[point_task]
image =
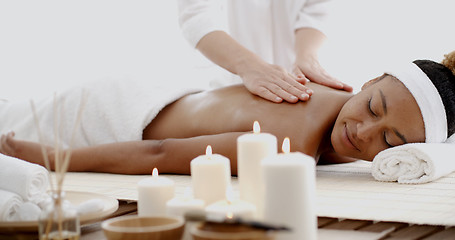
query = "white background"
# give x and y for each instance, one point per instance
(47, 46)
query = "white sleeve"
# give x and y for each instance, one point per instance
(200, 17)
(313, 15)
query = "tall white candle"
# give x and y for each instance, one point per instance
(153, 193)
(252, 148)
(210, 176)
(290, 193)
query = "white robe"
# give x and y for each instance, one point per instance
(266, 27)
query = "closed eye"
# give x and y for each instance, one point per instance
(386, 142)
(369, 108)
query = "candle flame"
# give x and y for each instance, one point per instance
(208, 151)
(286, 145)
(229, 215)
(155, 172)
(256, 127)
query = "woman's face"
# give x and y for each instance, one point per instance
(382, 115)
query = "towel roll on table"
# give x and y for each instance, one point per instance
(414, 162)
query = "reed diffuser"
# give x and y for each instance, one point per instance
(58, 220)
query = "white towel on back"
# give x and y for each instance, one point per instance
(29, 181)
(116, 110)
(414, 162)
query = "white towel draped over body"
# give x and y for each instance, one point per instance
(29, 181)
(414, 162)
(115, 110)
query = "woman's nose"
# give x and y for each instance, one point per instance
(366, 130)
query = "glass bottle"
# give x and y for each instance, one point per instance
(59, 220)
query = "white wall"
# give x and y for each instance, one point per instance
(46, 46)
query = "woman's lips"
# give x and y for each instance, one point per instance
(347, 140)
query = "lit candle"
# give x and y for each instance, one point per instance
(153, 193)
(230, 208)
(251, 149)
(289, 197)
(178, 206)
(210, 176)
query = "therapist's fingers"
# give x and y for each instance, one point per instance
(274, 83)
(316, 73)
(268, 95)
(300, 75)
(281, 90)
(296, 87)
(322, 77)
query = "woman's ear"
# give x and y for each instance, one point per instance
(372, 81)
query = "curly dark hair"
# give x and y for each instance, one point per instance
(443, 78)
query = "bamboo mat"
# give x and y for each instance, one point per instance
(346, 191)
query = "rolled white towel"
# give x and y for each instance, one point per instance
(27, 211)
(9, 204)
(28, 180)
(414, 162)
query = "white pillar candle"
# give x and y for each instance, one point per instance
(178, 206)
(290, 193)
(210, 176)
(230, 207)
(153, 193)
(252, 148)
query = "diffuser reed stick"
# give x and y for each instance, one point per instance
(61, 162)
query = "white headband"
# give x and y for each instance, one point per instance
(428, 99)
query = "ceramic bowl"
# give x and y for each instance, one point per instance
(137, 228)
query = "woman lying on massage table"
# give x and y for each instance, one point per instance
(416, 103)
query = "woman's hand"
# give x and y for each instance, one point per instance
(28, 151)
(7, 145)
(274, 83)
(308, 67)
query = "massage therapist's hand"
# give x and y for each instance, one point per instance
(308, 67)
(274, 83)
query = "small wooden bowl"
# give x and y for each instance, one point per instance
(135, 228)
(221, 231)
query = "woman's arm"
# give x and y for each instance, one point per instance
(135, 157)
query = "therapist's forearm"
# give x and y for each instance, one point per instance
(226, 52)
(308, 41)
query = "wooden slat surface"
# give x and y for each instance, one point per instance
(389, 230)
(348, 224)
(384, 226)
(414, 232)
(445, 234)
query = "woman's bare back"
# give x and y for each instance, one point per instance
(234, 109)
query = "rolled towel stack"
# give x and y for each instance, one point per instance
(20, 182)
(414, 163)
(9, 205)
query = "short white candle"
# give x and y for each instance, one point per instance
(230, 207)
(290, 195)
(153, 193)
(178, 206)
(252, 148)
(210, 176)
